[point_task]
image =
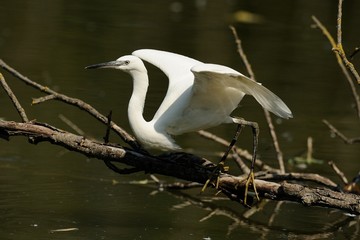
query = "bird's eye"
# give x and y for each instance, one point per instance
(127, 62)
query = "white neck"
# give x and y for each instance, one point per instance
(145, 131)
(137, 102)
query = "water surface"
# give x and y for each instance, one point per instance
(45, 188)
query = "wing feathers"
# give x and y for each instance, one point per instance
(267, 99)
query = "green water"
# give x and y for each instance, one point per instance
(45, 188)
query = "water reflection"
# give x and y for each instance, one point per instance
(45, 188)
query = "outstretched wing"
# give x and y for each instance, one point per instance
(210, 73)
(178, 69)
(216, 92)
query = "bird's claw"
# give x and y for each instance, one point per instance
(250, 180)
(220, 168)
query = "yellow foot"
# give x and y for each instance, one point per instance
(250, 180)
(220, 168)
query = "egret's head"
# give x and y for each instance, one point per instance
(127, 63)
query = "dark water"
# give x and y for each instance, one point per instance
(44, 188)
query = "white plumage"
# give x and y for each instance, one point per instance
(199, 96)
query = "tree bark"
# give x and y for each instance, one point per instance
(183, 166)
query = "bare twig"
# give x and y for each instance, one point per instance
(108, 127)
(242, 53)
(14, 99)
(71, 124)
(275, 141)
(72, 101)
(338, 25)
(352, 55)
(267, 114)
(43, 99)
(309, 152)
(339, 47)
(238, 160)
(340, 135)
(339, 172)
(340, 62)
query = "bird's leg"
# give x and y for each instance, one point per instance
(232, 143)
(250, 179)
(221, 165)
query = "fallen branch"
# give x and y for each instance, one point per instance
(181, 165)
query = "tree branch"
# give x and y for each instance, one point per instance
(339, 46)
(181, 165)
(339, 59)
(14, 99)
(340, 135)
(338, 172)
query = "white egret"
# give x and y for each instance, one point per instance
(199, 96)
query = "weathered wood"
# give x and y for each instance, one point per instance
(183, 166)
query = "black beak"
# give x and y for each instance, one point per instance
(111, 64)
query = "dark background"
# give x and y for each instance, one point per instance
(45, 187)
